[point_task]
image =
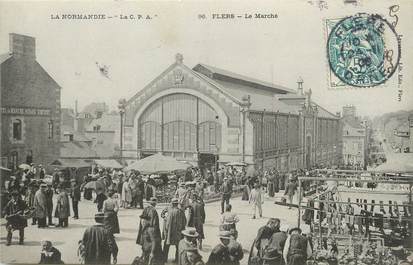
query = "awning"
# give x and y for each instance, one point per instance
(158, 163)
(108, 163)
(65, 162)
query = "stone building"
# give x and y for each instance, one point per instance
(354, 138)
(30, 106)
(210, 116)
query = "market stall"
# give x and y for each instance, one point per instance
(361, 218)
(160, 174)
(72, 168)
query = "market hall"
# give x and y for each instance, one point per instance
(209, 116)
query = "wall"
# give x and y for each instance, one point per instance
(25, 84)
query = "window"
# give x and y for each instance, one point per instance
(96, 128)
(17, 129)
(50, 130)
(14, 160)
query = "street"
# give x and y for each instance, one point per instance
(65, 239)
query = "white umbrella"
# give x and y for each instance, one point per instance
(157, 163)
(24, 166)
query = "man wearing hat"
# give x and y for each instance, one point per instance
(40, 206)
(265, 233)
(13, 212)
(180, 194)
(62, 211)
(75, 194)
(99, 244)
(225, 194)
(151, 212)
(150, 241)
(190, 236)
(175, 223)
(49, 202)
(297, 248)
(220, 254)
(256, 199)
(42, 172)
(290, 189)
(276, 245)
(197, 217)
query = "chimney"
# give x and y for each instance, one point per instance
(21, 45)
(300, 82)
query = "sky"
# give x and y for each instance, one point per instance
(136, 51)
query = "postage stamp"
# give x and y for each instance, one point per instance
(362, 51)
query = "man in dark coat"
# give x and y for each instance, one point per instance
(220, 254)
(277, 243)
(175, 223)
(297, 248)
(15, 221)
(62, 211)
(290, 190)
(265, 233)
(49, 202)
(197, 217)
(100, 198)
(149, 211)
(226, 190)
(99, 244)
(140, 185)
(50, 254)
(75, 195)
(150, 241)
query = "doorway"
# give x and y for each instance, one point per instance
(207, 161)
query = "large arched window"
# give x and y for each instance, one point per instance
(17, 129)
(180, 122)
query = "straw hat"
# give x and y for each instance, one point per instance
(190, 231)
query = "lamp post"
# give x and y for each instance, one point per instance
(121, 107)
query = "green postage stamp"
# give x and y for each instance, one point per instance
(362, 51)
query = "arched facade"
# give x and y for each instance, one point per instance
(179, 123)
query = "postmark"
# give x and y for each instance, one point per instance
(362, 51)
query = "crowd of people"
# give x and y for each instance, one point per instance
(182, 221)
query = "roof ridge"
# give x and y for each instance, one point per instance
(246, 78)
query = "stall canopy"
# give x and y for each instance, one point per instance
(76, 163)
(401, 162)
(157, 163)
(108, 163)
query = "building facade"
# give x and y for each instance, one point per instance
(210, 116)
(354, 139)
(30, 106)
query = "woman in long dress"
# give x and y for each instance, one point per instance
(126, 194)
(110, 209)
